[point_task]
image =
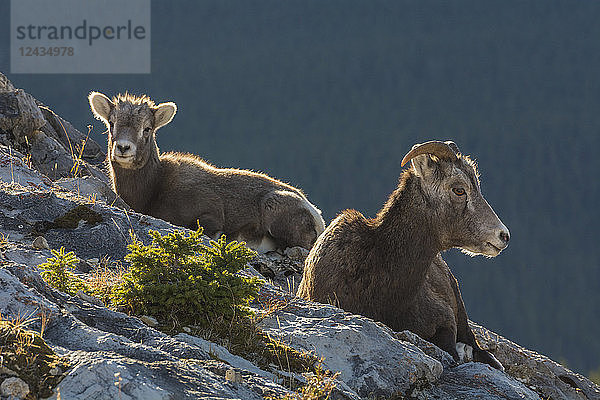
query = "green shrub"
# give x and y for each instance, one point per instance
(57, 271)
(181, 281)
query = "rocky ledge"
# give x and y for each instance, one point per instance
(44, 206)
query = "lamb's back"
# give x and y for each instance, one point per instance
(191, 186)
(183, 170)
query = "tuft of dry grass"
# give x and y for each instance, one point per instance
(91, 199)
(3, 242)
(243, 337)
(25, 353)
(319, 385)
(104, 277)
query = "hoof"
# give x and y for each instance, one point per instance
(486, 357)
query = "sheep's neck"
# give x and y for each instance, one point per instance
(407, 235)
(137, 186)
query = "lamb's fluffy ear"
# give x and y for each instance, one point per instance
(163, 114)
(101, 106)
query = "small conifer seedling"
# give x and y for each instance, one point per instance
(181, 281)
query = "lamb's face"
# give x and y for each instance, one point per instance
(467, 220)
(132, 123)
(130, 132)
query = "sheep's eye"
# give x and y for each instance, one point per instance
(459, 191)
(147, 130)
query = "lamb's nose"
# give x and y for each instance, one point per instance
(123, 148)
(504, 236)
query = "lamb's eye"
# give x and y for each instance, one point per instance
(147, 130)
(459, 191)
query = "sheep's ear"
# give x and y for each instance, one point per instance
(163, 114)
(424, 165)
(428, 167)
(101, 106)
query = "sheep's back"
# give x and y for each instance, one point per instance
(334, 266)
(234, 192)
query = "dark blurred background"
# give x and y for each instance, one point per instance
(330, 95)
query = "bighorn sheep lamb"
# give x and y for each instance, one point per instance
(185, 190)
(389, 268)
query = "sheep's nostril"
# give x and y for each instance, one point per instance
(123, 148)
(504, 236)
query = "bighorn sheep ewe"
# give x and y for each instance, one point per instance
(185, 190)
(389, 268)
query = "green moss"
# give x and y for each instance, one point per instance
(80, 213)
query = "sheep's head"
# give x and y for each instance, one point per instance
(132, 122)
(450, 184)
(292, 220)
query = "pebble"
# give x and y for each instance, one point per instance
(233, 376)
(273, 255)
(7, 371)
(296, 253)
(148, 320)
(84, 266)
(40, 243)
(264, 270)
(90, 299)
(14, 388)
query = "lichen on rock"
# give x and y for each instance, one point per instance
(81, 212)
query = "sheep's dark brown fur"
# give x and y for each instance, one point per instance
(389, 268)
(185, 190)
(439, 304)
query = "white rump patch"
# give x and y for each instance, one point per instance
(316, 214)
(265, 245)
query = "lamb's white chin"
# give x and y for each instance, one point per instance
(124, 162)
